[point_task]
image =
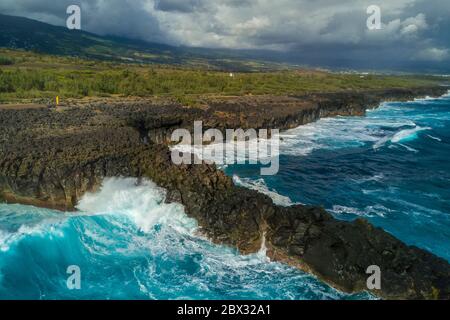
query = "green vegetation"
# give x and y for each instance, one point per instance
(43, 76)
(5, 61)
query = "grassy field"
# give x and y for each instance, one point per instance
(27, 76)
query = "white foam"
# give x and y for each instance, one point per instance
(342, 132)
(369, 211)
(29, 221)
(377, 178)
(408, 134)
(401, 136)
(260, 186)
(252, 151)
(389, 123)
(44, 228)
(434, 138)
(143, 202)
(427, 98)
(408, 148)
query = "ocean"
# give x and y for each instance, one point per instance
(391, 167)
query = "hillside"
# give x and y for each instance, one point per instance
(15, 33)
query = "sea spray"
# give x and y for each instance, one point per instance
(130, 244)
(141, 201)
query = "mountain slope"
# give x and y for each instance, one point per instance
(27, 34)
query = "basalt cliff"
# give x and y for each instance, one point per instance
(50, 157)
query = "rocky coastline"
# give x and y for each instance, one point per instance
(50, 157)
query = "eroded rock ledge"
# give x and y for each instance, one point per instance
(51, 157)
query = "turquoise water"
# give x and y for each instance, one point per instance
(390, 167)
(129, 244)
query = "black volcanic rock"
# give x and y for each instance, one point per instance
(51, 157)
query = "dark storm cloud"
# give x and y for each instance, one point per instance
(414, 32)
(179, 5)
(112, 17)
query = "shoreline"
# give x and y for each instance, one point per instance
(309, 238)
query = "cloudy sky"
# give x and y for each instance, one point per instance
(413, 34)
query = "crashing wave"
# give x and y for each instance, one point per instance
(136, 246)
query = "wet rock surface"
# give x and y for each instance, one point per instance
(51, 157)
